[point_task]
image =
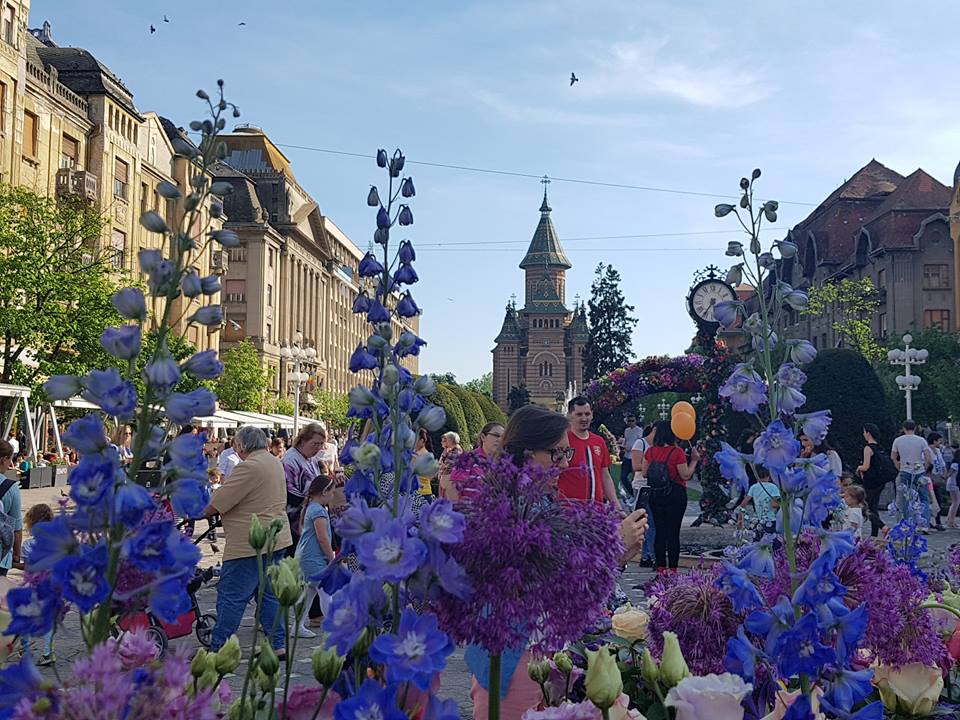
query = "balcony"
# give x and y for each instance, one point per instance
(76, 184)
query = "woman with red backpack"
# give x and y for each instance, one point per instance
(667, 470)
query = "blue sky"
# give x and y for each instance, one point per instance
(686, 96)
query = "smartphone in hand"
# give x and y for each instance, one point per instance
(643, 497)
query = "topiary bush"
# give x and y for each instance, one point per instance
(491, 411)
(471, 413)
(842, 381)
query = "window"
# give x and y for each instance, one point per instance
(937, 318)
(269, 295)
(936, 277)
(823, 340)
(270, 257)
(121, 178)
(110, 116)
(9, 24)
(69, 152)
(29, 134)
(118, 243)
(238, 254)
(882, 324)
(236, 291)
(144, 197)
(269, 332)
(3, 107)
(882, 278)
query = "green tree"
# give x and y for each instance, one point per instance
(852, 305)
(518, 397)
(841, 380)
(482, 384)
(611, 325)
(491, 411)
(244, 379)
(54, 288)
(472, 413)
(332, 408)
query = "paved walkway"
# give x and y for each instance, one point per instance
(456, 679)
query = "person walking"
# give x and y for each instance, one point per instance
(424, 446)
(667, 470)
(12, 506)
(315, 547)
(936, 480)
(299, 469)
(631, 434)
(911, 456)
(954, 490)
(228, 459)
(588, 475)
(256, 487)
(875, 473)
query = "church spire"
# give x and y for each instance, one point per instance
(545, 249)
(545, 205)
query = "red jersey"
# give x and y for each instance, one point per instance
(583, 480)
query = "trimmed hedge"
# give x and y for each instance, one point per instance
(471, 412)
(491, 411)
(842, 381)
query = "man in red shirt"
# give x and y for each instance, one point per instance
(588, 477)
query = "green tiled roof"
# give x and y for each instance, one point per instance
(545, 247)
(510, 330)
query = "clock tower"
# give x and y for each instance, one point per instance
(708, 289)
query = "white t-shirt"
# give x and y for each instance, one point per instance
(642, 446)
(228, 461)
(15, 444)
(911, 449)
(853, 520)
(630, 437)
(328, 455)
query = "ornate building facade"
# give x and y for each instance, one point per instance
(540, 345)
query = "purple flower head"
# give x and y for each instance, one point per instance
(416, 652)
(733, 466)
(203, 365)
(407, 307)
(122, 342)
(377, 313)
(361, 303)
(87, 435)
(33, 610)
(93, 477)
(363, 360)
(815, 425)
(111, 393)
(369, 266)
(389, 553)
(776, 447)
(745, 390)
(791, 376)
(406, 253)
(440, 522)
(788, 399)
(83, 578)
(182, 408)
(372, 701)
(406, 275)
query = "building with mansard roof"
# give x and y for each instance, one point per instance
(892, 229)
(540, 345)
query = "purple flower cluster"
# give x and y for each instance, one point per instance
(538, 565)
(687, 373)
(692, 606)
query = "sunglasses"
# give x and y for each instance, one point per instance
(558, 454)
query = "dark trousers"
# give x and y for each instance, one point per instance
(668, 516)
(873, 509)
(626, 467)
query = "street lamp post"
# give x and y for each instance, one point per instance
(696, 399)
(294, 354)
(908, 357)
(664, 407)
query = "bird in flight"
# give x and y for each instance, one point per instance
(573, 79)
(166, 19)
(240, 23)
(152, 29)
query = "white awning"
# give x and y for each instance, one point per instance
(285, 421)
(217, 421)
(242, 418)
(75, 402)
(16, 391)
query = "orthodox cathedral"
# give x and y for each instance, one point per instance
(540, 346)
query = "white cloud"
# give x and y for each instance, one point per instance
(645, 68)
(541, 114)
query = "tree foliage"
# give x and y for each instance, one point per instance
(518, 397)
(842, 381)
(852, 305)
(482, 384)
(332, 408)
(244, 379)
(611, 325)
(55, 288)
(447, 378)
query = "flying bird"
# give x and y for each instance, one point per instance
(166, 19)
(152, 29)
(573, 79)
(240, 23)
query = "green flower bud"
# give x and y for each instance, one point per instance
(269, 663)
(276, 525)
(199, 663)
(258, 535)
(673, 668)
(391, 375)
(648, 668)
(267, 682)
(229, 656)
(285, 578)
(41, 706)
(208, 679)
(563, 662)
(233, 713)
(538, 670)
(603, 682)
(327, 665)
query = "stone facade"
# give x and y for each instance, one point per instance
(540, 346)
(294, 271)
(892, 229)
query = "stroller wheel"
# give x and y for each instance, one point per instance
(204, 629)
(158, 637)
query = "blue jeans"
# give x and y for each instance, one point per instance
(239, 581)
(648, 539)
(913, 480)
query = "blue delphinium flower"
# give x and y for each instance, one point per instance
(372, 701)
(415, 652)
(62, 387)
(369, 266)
(83, 578)
(818, 587)
(776, 447)
(802, 352)
(377, 313)
(872, 711)
(111, 393)
(149, 547)
(815, 425)
(791, 376)
(407, 307)
(162, 373)
(348, 614)
(406, 275)
(203, 365)
(363, 360)
(185, 457)
(389, 553)
(739, 588)
(122, 342)
(745, 390)
(741, 658)
(87, 435)
(758, 559)
(441, 522)
(33, 610)
(169, 598)
(130, 502)
(800, 650)
(849, 688)
(209, 315)
(182, 408)
(17, 682)
(52, 541)
(130, 303)
(788, 399)
(733, 466)
(850, 626)
(190, 497)
(770, 624)
(438, 709)
(93, 477)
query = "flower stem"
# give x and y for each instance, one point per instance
(493, 699)
(323, 698)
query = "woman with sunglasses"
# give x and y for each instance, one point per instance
(537, 435)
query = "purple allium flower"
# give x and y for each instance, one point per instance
(534, 561)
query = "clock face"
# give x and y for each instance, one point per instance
(706, 295)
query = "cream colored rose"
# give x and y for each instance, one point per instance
(630, 623)
(912, 689)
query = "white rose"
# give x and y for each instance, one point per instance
(912, 689)
(717, 697)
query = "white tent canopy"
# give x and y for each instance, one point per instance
(241, 418)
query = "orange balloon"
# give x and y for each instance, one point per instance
(683, 425)
(682, 406)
